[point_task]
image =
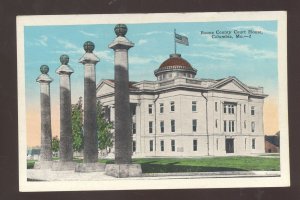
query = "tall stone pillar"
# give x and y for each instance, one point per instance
(123, 121)
(65, 145)
(45, 160)
(90, 148)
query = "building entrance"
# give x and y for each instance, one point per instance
(229, 146)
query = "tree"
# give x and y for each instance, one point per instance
(55, 144)
(104, 129)
(77, 124)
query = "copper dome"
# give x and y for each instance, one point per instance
(175, 62)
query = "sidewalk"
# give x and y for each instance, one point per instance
(49, 175)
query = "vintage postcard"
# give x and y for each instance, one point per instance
(152, 101)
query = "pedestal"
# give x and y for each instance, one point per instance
(90, 167)
(63, 166)
(43, 165)
(123, 170)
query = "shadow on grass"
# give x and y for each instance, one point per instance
(150, 167)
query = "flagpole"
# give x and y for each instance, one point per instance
(175, 40)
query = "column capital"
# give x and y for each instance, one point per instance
(64, 68)
(89, 57)
(44, 77)
(121, 43)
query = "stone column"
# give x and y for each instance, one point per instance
(65, 145)
(123, 121)
(45, 160)
(90, 148)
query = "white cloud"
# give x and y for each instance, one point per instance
(89, 34)
(246, 49)
(40, 41)
(234, 48)
(138, 60)
(213, 55)
(257, 28)
(72, 49)
(141, 42)
(105, 55)
(67, 47)
(67, 44)
(155, 33)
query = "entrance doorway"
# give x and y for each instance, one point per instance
(229, 145)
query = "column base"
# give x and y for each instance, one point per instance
(43, 165)
(63, 166)
(90, 167)
(123, 170)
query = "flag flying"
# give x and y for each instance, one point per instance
(181, 39)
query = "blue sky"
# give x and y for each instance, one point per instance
(253, 61)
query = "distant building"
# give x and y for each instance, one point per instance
(33, 153)
(180, 115)
(272, 144)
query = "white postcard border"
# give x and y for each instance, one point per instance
(131, 183)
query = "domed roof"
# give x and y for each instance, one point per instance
(175, 62)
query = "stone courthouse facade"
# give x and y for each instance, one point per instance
(180, 115)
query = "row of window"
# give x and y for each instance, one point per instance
(228, 108)
(173, 145)
(195, 145)
(229, 126)
(163, 76)
(161, 107)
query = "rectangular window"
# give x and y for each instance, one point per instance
(161, 108)
(194, 106)
(253, 143)
(216, 123)
(245, 108)
(150, 108)
(150, 127)
(252, 126)
(245, 143)
(133, 146)
(245, 124)
(252, 110)
(162, 145)
(231, 126)
(195, 145)
(133, 109)
(172, 125)
(151, 145)
(229, 108)
(216, 106)
(217, 143)
(133, 128)
(194, 125)
(162, 126)
(173, 145)
(225, 122)
(172, 104)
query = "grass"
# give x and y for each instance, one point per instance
(30, 164)
(212, 164)
(206, 164)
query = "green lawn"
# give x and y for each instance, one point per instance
(206, 164)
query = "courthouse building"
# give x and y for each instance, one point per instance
(181, 115)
